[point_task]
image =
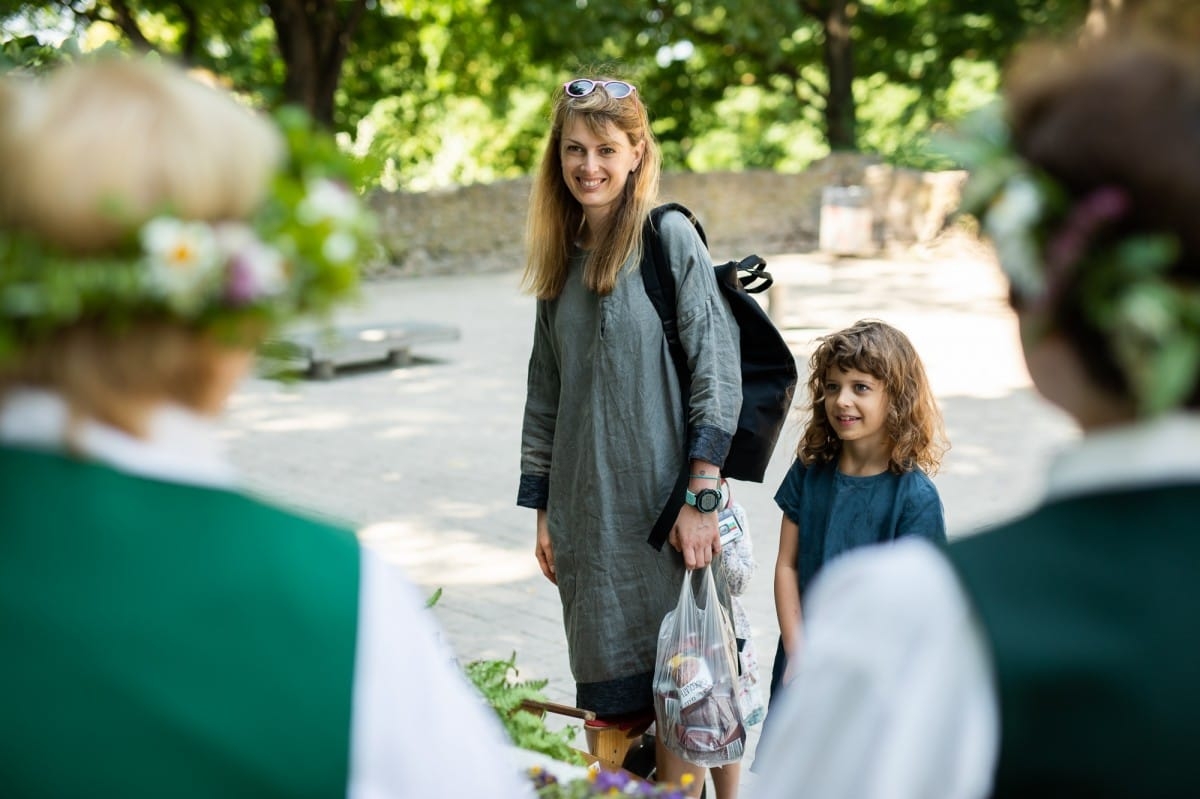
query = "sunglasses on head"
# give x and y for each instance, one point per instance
(582, 87)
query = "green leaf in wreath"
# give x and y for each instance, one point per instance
(1172, 374)
(1142, 256)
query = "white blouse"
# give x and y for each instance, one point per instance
(895, 694)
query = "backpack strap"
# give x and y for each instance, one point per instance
(660, 284)
(660, 288)
(752, 274)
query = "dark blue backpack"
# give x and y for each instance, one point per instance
(768, 367)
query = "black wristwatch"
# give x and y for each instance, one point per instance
(706, 500)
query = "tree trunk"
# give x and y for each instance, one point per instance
(840, 114)
(126, 22)
(313, 41)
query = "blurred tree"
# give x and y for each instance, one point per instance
(25, 52)
(282, 51)
(452, 91)
(437, 90)
(821, 54)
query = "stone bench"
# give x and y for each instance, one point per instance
(322, 351)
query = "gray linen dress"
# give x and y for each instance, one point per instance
(604, 440)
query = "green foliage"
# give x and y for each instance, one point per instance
(695, 62)
(756, 132)
(27, 54)
(447, 92)
(497, 681)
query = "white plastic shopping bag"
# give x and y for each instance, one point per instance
(695, 677)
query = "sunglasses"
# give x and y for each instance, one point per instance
(582, 87)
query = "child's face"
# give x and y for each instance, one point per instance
(856, 404)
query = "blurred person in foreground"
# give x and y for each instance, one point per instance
(1056, 653)
(164, 634)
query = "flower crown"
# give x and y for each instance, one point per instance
(298, 255)
(1048, 243)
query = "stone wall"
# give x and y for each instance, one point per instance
(481, 228)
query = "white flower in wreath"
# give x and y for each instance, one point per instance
(339, 247)
(256, 270)
(183, 259)
(326, 200)
(1010, 223)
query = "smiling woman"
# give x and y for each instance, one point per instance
(608, 430)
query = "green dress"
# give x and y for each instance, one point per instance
(1090, 606)
(164, 638)
(604, 440)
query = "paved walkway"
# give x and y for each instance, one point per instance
(424, 458)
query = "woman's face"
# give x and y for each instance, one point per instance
(595, 167)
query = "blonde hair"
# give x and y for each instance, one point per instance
(914, 422)
(114, 376)
(555, 216)
(96, 149)
(89, 154)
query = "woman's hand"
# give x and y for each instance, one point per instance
(543, 549)
(696, 536)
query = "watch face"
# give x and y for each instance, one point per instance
(708, 500)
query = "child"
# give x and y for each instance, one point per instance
(737, 566)
(861, 471)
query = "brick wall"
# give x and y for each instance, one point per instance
(481, 228)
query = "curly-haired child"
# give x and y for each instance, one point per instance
(861, 474)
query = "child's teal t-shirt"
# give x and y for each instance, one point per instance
(837, 512)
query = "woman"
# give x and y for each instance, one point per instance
(164, 634)
(606, 430)
(1056, 653)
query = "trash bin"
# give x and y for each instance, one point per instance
(846, 225)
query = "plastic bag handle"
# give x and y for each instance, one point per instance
(709, 587)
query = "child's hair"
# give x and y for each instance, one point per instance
(914, 422)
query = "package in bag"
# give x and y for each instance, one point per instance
(695, 677)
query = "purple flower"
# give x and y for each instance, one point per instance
(255, 270)
(611, 780)
(1089, 215)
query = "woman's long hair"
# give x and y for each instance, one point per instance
(556, 217)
